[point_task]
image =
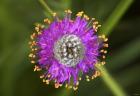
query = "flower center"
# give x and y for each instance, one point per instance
(69, 50)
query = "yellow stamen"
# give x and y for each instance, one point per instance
(69, 11)
(47, 81)
(87, 80)
(86, 17)
(80, 14)
(105, 51)
(106, 39)
(56, 85)
(80, 78)
(75, 88)
(32, 62)
(42, 76)
(102, 51)
(49, 76)
(105, 45)
(44, 80)
(69, 86)
(31, 55)
(103, 36)
(92, 77)
(103, 63)
(77, 83)
(66, 85)
(103, 56)
(54, 14)
(47, 21)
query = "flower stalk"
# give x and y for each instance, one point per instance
(110, 82)
(46, 7)
(116, 15)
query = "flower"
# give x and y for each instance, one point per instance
(66, 49)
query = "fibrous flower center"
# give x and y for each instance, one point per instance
(69, 50)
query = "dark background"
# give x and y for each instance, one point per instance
(17, 18)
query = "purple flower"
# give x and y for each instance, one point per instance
(67, 49)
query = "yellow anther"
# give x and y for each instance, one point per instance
(69, 86)
(87, 80)
(99, 26)
(77, 83)
(31, 55)
(47, 81)
(44, 80)
(94, 26)
(31, 47)
(103, 36)
(80, 78)
(66, 85)
(66, 11)
(105, 51)
(86, 17)
(92, 77)
(32, 62)
(103, 62)
(98, 73)
(95, 75)
(102, 51)
(80, 13)
(105, 45)
(56, 85)
(30, 43)
(33, 43)
(69, 11)
(37, 29)
(75, 88)
(47, 21)
(42, 76)
(92, 19)
(87, 76)
(31, 37)
(35, 49)
(54, 14)
(106, 39)
(39, 33)
(100, 36)
(95, 22)
(98, 64)
(60, 85)
(34, 69)
(49, 76)
(55, 80)
(103, 56)
(38, 69)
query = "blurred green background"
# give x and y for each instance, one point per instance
(17, 18)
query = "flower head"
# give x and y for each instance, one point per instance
(66, 49)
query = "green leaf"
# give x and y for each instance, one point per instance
(116, 15)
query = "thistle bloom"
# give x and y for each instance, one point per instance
(66, 49)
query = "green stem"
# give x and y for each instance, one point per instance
(47, 8)
(106, 29)
(110, 82)
(115, 16)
